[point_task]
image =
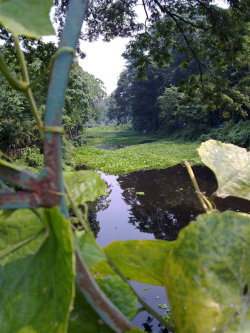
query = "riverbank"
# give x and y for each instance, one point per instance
(121, 151)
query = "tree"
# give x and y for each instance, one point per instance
(120, 108)
(82, 99)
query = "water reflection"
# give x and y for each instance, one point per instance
(102, 203)
(168, 204)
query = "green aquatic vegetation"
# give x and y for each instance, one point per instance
(136, 151)
(113, 136)
(156, 155)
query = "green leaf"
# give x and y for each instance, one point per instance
(84, 185)
(120, 294)
(94, 256)
(92, 253)
(37, 271)
(27, 17)
(208, 275)
(231, 165)
(116, 289)
(18, 228)
(140, 260)
(84, 319)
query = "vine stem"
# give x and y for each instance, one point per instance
(28, 91)
(206, 204)
(140, 299)
(10, 77)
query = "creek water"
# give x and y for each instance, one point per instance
(154, 204)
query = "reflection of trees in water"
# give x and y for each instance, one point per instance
(148, 326)
(169, 202)
(96, 206)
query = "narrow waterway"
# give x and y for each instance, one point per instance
(154, 204)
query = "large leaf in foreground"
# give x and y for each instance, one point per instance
(84, 185)
(36, 272)
(140, 260)
(231, 165)
(208, 275)
(114, 287)
(27, 17)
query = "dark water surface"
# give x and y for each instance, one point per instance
(169, 203)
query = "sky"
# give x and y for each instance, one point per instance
(104, 60)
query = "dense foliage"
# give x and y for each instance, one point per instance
(201, 49)
(173, 100)
(83, 98)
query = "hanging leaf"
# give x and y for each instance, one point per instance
(94, 256)
(231, 165)
(84, 185)
(208, 275)
(36, 271)
(140, 260)
(27, 17)
(92, 253)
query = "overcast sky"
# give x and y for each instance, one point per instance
(104, 60)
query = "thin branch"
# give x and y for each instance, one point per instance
(10, 77)
(177, 16)
(174, 17)
(146, 12)
(206, 204)
(209, 11)
(28, 91)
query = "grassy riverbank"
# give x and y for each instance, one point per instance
(140, 152)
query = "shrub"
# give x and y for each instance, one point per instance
(235, 133)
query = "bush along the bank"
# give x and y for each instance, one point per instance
(230, 132)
